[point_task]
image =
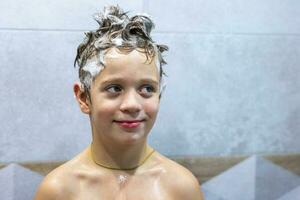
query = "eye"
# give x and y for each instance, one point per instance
(147, 90)
(114, 89)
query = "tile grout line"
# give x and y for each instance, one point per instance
(156, 32)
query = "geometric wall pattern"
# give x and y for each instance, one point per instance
(292, 195)
(253, 179)
(18, 183)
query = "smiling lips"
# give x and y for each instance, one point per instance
(129, 124)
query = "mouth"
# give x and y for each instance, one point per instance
(129, 123)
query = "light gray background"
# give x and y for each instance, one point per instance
(233, 85)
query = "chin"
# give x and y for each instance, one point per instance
(130, 138)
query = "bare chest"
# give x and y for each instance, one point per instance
(123, 187)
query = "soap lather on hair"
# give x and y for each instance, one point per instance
(117, 29)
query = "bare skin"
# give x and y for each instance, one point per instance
(126, 89)
(81, 179)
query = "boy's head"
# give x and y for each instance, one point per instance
(116, 29)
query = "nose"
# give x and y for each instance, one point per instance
(131, 102)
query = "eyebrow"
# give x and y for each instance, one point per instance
(119, 79)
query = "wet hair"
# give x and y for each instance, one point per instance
(116, 29)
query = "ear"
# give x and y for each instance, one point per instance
(81, 98)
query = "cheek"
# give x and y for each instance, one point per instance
(151, 108)
(105, 110)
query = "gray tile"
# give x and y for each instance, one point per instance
(225, 95)
(230, 95)
(235, 16)
(18, 183)
(235, 183)
(43, 120)
(254, 178)
(209, 195)
(6, 184)
(65, 14)
(292, 195)
(272, 181)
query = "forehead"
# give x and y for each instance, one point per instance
(128, 64)
(116, 53)
(136, 56)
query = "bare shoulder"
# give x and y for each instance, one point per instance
(53, 186)
(180, 181)
(59, 183)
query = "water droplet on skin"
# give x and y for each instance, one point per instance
(122, 179)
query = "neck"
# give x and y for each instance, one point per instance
(116, 157)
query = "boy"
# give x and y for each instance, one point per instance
(121, 80)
